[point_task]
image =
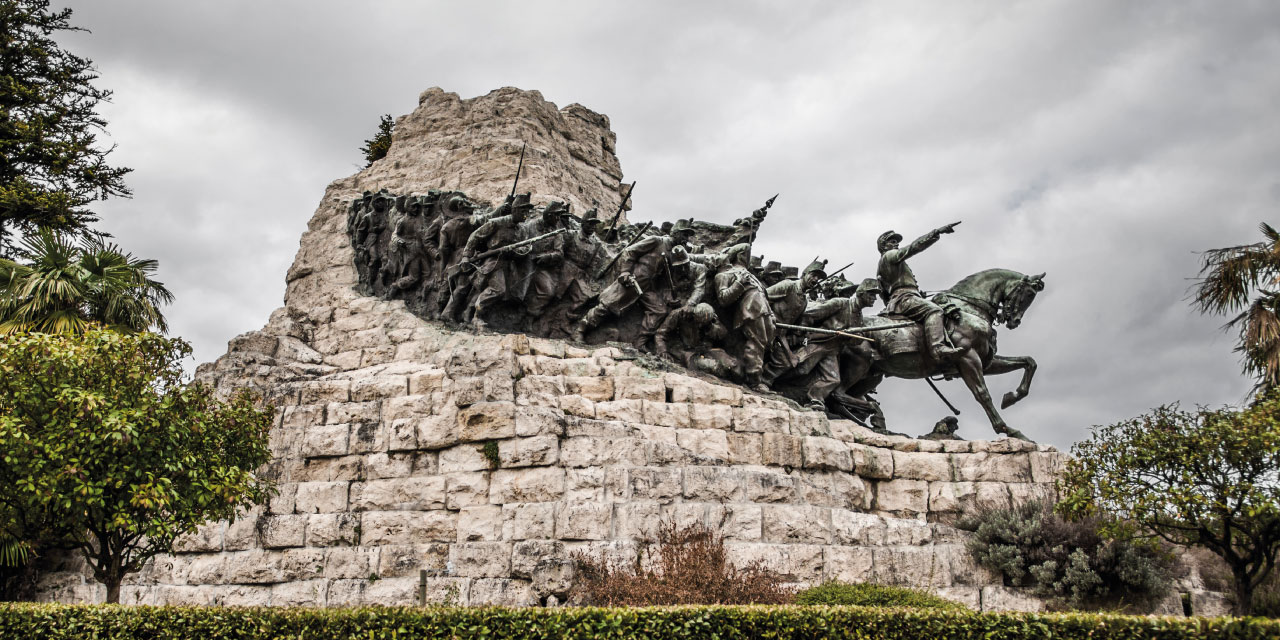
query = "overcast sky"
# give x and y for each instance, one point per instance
(1102, 142)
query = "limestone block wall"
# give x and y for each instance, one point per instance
(382, 473)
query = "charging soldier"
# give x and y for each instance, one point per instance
(546, 256)
(903, 293)
(497, 274)
(738, 289)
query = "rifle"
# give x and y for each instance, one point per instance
(514, 245)
(607, 267)
(614, 223)
(851, 332)
(518, 168)
(832, 276)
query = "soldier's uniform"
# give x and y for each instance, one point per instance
(545, 257)
(822, 354)
(495, 276)
(738, 289)
(688, 332)
(583, 253)
(645, 261)
(902, 293)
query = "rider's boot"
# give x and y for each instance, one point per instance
(936, 334)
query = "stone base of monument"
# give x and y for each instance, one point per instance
(404, 448)
(383, 473)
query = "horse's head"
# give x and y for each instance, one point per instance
(1018, 297)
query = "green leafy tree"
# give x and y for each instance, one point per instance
(1203, 478)
(107, 450)
(376, 148)
(51, 163)
(68, 286)
(1242, 280)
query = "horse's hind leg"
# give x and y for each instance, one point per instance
(1008, 364)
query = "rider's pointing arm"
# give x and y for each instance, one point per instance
(919, 244)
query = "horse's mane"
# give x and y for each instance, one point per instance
(977, 280)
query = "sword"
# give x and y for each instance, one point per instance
(950, 406)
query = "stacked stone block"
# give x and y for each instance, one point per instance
(383, 473)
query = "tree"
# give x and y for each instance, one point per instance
(1203, 478)
(51, 165)
(1229, 279)
(105, 447)
(67, 288)
(376, 148)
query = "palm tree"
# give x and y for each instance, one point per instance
(1229, 280)
(68, 286)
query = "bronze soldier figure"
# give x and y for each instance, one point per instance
(738, 289)
(902, 293)
(546, 256)
(495, 276)
(640, 266)
(583, 254)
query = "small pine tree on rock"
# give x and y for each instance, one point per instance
(376, 148)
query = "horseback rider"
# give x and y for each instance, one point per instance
(902, 293)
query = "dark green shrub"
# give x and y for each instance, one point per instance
(874, 595)
(61, 622)
(376, 148)
(1070, 563)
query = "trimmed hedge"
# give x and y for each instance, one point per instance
(866, 594)
(110, 622)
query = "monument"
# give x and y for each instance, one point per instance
(477, 377)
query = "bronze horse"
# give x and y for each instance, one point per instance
(983, 300)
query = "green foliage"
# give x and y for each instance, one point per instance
(873, 595)
(1070, 563)
(1204, 478)
(44, 621)
(67, 287)
(1229, 279)
(107, 451)
(376, 148)
(490, 452)
(51, 165)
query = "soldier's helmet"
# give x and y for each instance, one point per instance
(683, 226)
(757, 264)
(591, 217)
(774, 268)
(882, 243)
(870, 285)
(521, 201)
(679, 256)
(790, 272)
(817, 266)
(555, 208)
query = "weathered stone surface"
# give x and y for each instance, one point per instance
(321, 497)
(406, 527)
(420, 493)
(902, 495)
(487, 421)
(540, 484)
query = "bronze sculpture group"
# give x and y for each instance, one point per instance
(693, 293)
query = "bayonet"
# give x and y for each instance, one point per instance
(518, 168)
(621, 205)
(607, 267)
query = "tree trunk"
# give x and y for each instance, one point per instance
(113, 588)
(1244, 593)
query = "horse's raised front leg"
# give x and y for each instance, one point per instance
(970, 366)
(1008, 364)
